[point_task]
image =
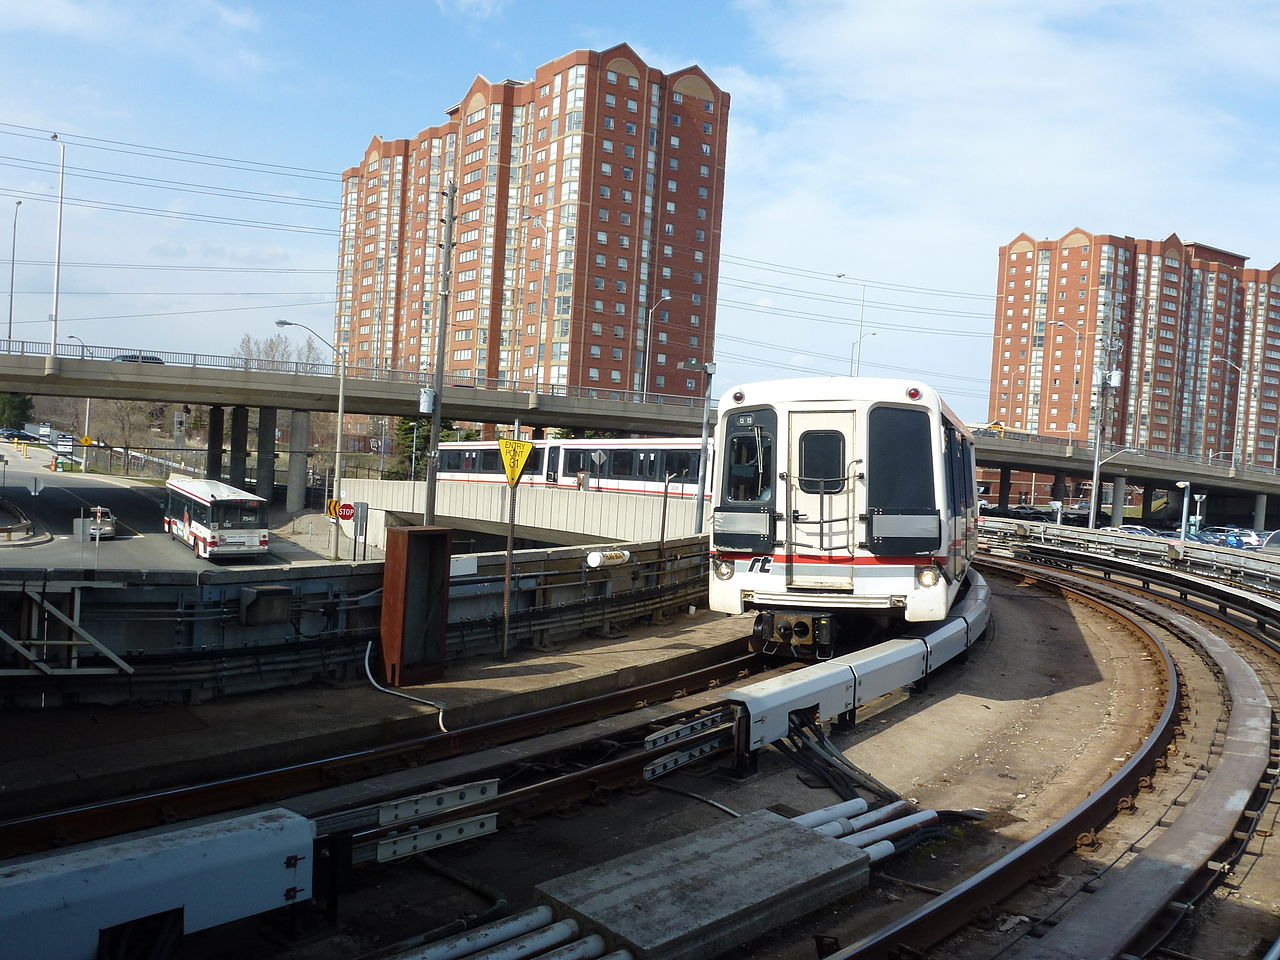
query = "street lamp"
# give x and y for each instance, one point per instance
(1075, 374)
(709, 369)
(862, 310)
(84, 460)
(648, 339)
(57, 247)
(1094, 493)
(1185, 487)
(856, 354)
(1235, 433)
(13, 259)
(340, 357)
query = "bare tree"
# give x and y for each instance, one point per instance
(277, 352)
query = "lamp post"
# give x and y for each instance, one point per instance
(648, 339)
(57, 247)
(862, 314)
(1185, 487)
(856, 354)
(1075, 374)
(1240, 385)
(84, 461)
(709, 369)
(340, 358)
(13, 260)
(1094, 494)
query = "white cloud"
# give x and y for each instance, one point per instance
(904, 143)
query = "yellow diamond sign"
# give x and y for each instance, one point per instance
(515, 453)
(86, 440)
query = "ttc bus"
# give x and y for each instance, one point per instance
(214, 518)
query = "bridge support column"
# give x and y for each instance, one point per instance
(266, 479)
(1006, 475)
(1260, 512)
(1059, 489)
(1118, 494)
(213, 452)
(239, 446)
(1148, 494)
(295, 497)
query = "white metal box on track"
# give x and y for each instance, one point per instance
(54, 906)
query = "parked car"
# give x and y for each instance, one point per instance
(138, 358)
(1137, 530)
(1024, 511)
(102, 523)
(1229, 536)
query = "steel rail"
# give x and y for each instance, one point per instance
(94, 821)
(928, 924)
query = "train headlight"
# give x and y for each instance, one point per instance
(928, 576)
(722, 568)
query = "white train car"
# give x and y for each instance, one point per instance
(645, 465)
(842, 508)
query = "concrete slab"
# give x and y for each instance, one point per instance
(701, 895)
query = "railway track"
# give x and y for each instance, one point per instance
(1173, 864)
(1247, 733)
(116, 816)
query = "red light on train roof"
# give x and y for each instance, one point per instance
(913, 393)
(738, 396)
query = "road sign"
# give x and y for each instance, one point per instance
(346, 511)
(515, 453)
(598, 458)
(86, 440)
(331, 508)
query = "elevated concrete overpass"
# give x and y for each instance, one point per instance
(238, 382)
(1146, 469)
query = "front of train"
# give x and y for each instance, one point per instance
(843, 507)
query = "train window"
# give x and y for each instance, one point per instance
(470, 461)
(647, 464)
(749, 467)
(680, 465)
(576, 461)
(822, 464)
(490, 462)
(622, 463)
(451, 460)
(899, 460)
(534, 463)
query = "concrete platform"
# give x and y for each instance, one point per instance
(704, 894)
(58, 758)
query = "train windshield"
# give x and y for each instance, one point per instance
(900, 460)
(749, 459)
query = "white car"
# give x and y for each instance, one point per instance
(102, 523)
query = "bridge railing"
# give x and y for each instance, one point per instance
(74, 351)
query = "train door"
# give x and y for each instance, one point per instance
(553, 465)
(819, 505)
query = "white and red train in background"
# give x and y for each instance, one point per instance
(640, 465)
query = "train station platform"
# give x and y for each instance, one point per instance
(72, 755)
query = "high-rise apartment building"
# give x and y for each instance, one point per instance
(1179, 342)
(588, 204)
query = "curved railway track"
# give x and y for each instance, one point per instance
(1132, 911)
(1191, 847)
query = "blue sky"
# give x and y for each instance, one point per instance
(897, 144)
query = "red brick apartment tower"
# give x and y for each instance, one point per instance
(1194, 336)
(588, 198)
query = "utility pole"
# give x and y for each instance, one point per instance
(450, 192)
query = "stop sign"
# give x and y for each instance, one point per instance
(346, 511)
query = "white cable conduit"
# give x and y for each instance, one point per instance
(848, 808)
(844, 826)
(531, 944)
(468, 942)
(894, 828)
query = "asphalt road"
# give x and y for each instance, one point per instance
(140, 542)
